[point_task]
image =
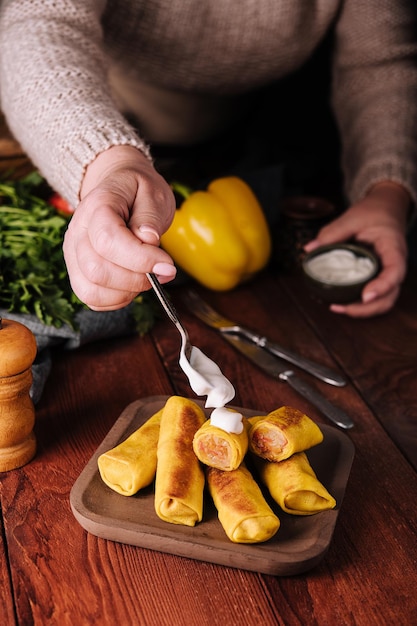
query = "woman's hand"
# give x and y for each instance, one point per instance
(113, 238)
(379, 219)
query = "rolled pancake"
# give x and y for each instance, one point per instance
(294, 485)
(179, 483)
(283, 432)
(242, 509)
(131, 465)
(218, 448)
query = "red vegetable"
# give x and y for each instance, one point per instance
(61, 205)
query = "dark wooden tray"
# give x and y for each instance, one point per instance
(300, 543)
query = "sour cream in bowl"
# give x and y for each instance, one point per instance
(337, 273)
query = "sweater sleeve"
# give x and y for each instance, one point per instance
(54, 89)
(375, 93)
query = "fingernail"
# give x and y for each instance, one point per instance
(148, 234)
(311, 245)
(368, 296)
(337, 308)
(164, 269)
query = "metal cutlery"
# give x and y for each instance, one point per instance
(269, 363)
(204, 376)
(279, 369)
(228, 328)
(172, 314)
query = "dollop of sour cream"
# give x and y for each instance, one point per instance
(206, 379)
(341, 267)
(227, 420)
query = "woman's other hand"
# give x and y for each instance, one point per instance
(379, 219)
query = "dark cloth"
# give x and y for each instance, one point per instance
(91, 326)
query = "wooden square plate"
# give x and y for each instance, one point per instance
(300, 543)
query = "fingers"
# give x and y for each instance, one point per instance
(103, 284)
(375, 301)
(377, 306)
(87, 271)
(153, 208)
(375, 223)
(108, 238)
(380, 294)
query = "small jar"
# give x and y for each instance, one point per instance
(17, 412)
(301, 218)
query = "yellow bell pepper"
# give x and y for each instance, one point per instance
(219, 236)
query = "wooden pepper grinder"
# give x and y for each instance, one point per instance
(17, 412)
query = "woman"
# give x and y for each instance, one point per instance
(74, 72)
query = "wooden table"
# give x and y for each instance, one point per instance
(53, 572)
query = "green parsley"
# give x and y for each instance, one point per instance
(33, 274)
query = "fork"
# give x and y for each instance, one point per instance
(186, 345)
(214, 319)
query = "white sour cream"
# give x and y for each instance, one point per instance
(206, 379)
(340, 267)
(227, 420)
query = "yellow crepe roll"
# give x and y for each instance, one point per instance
(294, 485)
(283, 432)
(243, 511)
(179, 483)
(221, 449)
(131, 465)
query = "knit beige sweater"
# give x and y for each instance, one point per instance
(71, 69)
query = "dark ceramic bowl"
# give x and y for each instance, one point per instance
(337, 273)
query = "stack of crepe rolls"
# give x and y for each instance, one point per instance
(176, 443)
(219, 448)
(242, 510)
(281, 433)
(179, 484)
(278, 442)
(131, 465)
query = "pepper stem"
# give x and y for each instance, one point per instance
(181, 189)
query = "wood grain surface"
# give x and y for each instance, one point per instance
(54, 572)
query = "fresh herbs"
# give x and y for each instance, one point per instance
(33, 275)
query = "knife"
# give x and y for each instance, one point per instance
(279, 369)
(226, 327)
